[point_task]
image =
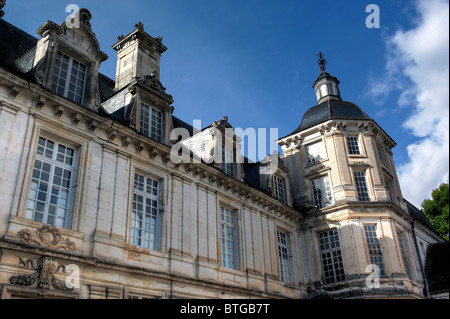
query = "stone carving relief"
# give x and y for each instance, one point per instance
(45, 270)
(151, 81)
(48, 236)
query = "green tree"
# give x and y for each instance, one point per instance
(436, 209)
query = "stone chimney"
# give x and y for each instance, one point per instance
(138, 54)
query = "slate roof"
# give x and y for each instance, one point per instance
(16, 47)
(328, 110)
(419, 215)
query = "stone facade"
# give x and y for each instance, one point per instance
(94, 204)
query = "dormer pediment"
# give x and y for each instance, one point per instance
(76, 33)
(68, 58)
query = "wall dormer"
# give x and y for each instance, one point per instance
(219, 145)
(68, 58)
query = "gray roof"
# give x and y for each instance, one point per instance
(328, 110)
(16, 48)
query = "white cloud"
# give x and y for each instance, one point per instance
(422, 53)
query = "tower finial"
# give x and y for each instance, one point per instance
(322, 62)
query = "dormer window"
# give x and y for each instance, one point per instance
(151, 122)
(280, 188)
(69, 78)
(227, 161)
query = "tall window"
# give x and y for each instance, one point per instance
(353, 145)
(227, 161)
(315, 152)
(330, 251)
(390, 190)
(361, 186)
(321, 189)
(404, 252)
(280, 188)
(151, 122)
(374, 246)
(51, 183)
(284, 253)
(228, 238)
(69, 77)
(381, 153)
(145, 227)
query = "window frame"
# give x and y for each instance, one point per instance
(328, 193)
(353, 145)
(73, 168)
(147, 122)
(405, 253)
(335, 278)
(146, 195)
(231, 261)
(228, 168)
(362, 195)
(285, 263)
(375, 252)
(281, 194)
(322, 153)
(67, 79)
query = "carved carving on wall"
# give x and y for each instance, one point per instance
(151, 81)
(48, 236)
(45, 268)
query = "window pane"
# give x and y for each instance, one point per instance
(228, 237)
(145, 217)
(374, 247)
(321, 189)
(50, 186)
(332, 265)
(227, 161)
(280, 189)
(151, 122)
(284, 255)
(353, 147)
(405, 254)
(69, 83)
(361, 186)
(315, 152)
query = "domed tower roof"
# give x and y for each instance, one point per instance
(331, 110)
(329, 102)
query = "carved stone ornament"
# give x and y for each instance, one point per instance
(151, 81)
(48, 236)
(45, 268)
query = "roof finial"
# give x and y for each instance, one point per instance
(322, 62)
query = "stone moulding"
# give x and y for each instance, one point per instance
(48, 236)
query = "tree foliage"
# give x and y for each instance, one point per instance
(436, 209)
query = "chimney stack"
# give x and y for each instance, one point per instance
(138, 54)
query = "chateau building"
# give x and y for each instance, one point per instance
(105, 193)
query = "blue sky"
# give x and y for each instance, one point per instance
(255, 61)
